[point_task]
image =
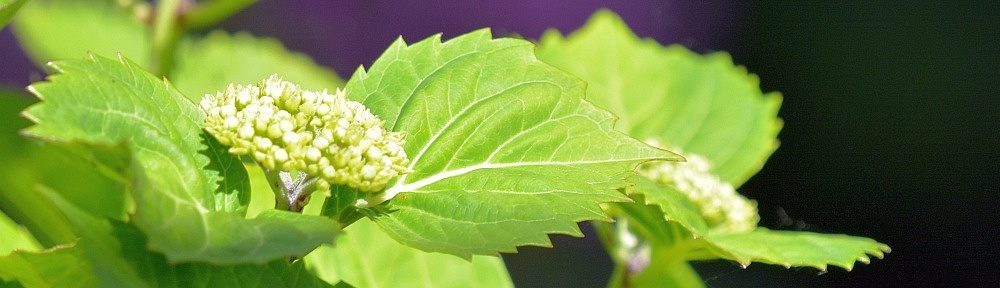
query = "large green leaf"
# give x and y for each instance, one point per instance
(207, 65)
(701, 104)
(7, 10)
(364, 256)
(65, 29)
(503, 147)
(106, 101)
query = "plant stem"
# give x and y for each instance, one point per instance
(208, 14)
(165, 35)
(290, 194)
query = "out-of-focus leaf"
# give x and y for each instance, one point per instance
(503, 147)
(113, 254)
(702, 104)
(61, 266)
(364, 256)
(51, 30)
(26, 164)
(7, 10)
(207, 65)
(106, 101)
(14, 237)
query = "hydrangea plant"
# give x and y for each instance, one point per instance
(157, 157)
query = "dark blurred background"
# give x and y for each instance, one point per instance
(890, 109)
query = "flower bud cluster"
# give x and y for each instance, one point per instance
(289, 129)
(719, 203)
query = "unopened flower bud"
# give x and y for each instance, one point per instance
(720, 205)
(284, 127)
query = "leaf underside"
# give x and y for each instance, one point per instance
(503, 147)
(178, 201)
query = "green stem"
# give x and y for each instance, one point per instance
(207, 14)
(291, 189)
(165, 35)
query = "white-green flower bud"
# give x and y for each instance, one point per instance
(326, 135)
(720, 205)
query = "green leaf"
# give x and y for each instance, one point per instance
(207, 65)
(65, 29)
(7, 10)
(57, 267)
(87, 173)
(106, 101)
(666, 271)
(671, 204)
(798, 248)
(364, 256)
(503, 147)
(690, 240)
(234, 186)
(115, 254)
(15, 237)
(701, 104)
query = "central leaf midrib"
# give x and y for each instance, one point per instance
(415, 186)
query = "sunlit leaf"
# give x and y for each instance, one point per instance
(15, 237)
(106, 101)
(799, 248)
(503, 148)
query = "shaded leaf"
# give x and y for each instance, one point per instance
(114, 255)
(503, 147)
(62, 266)
(364, 256)
(234, 187)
